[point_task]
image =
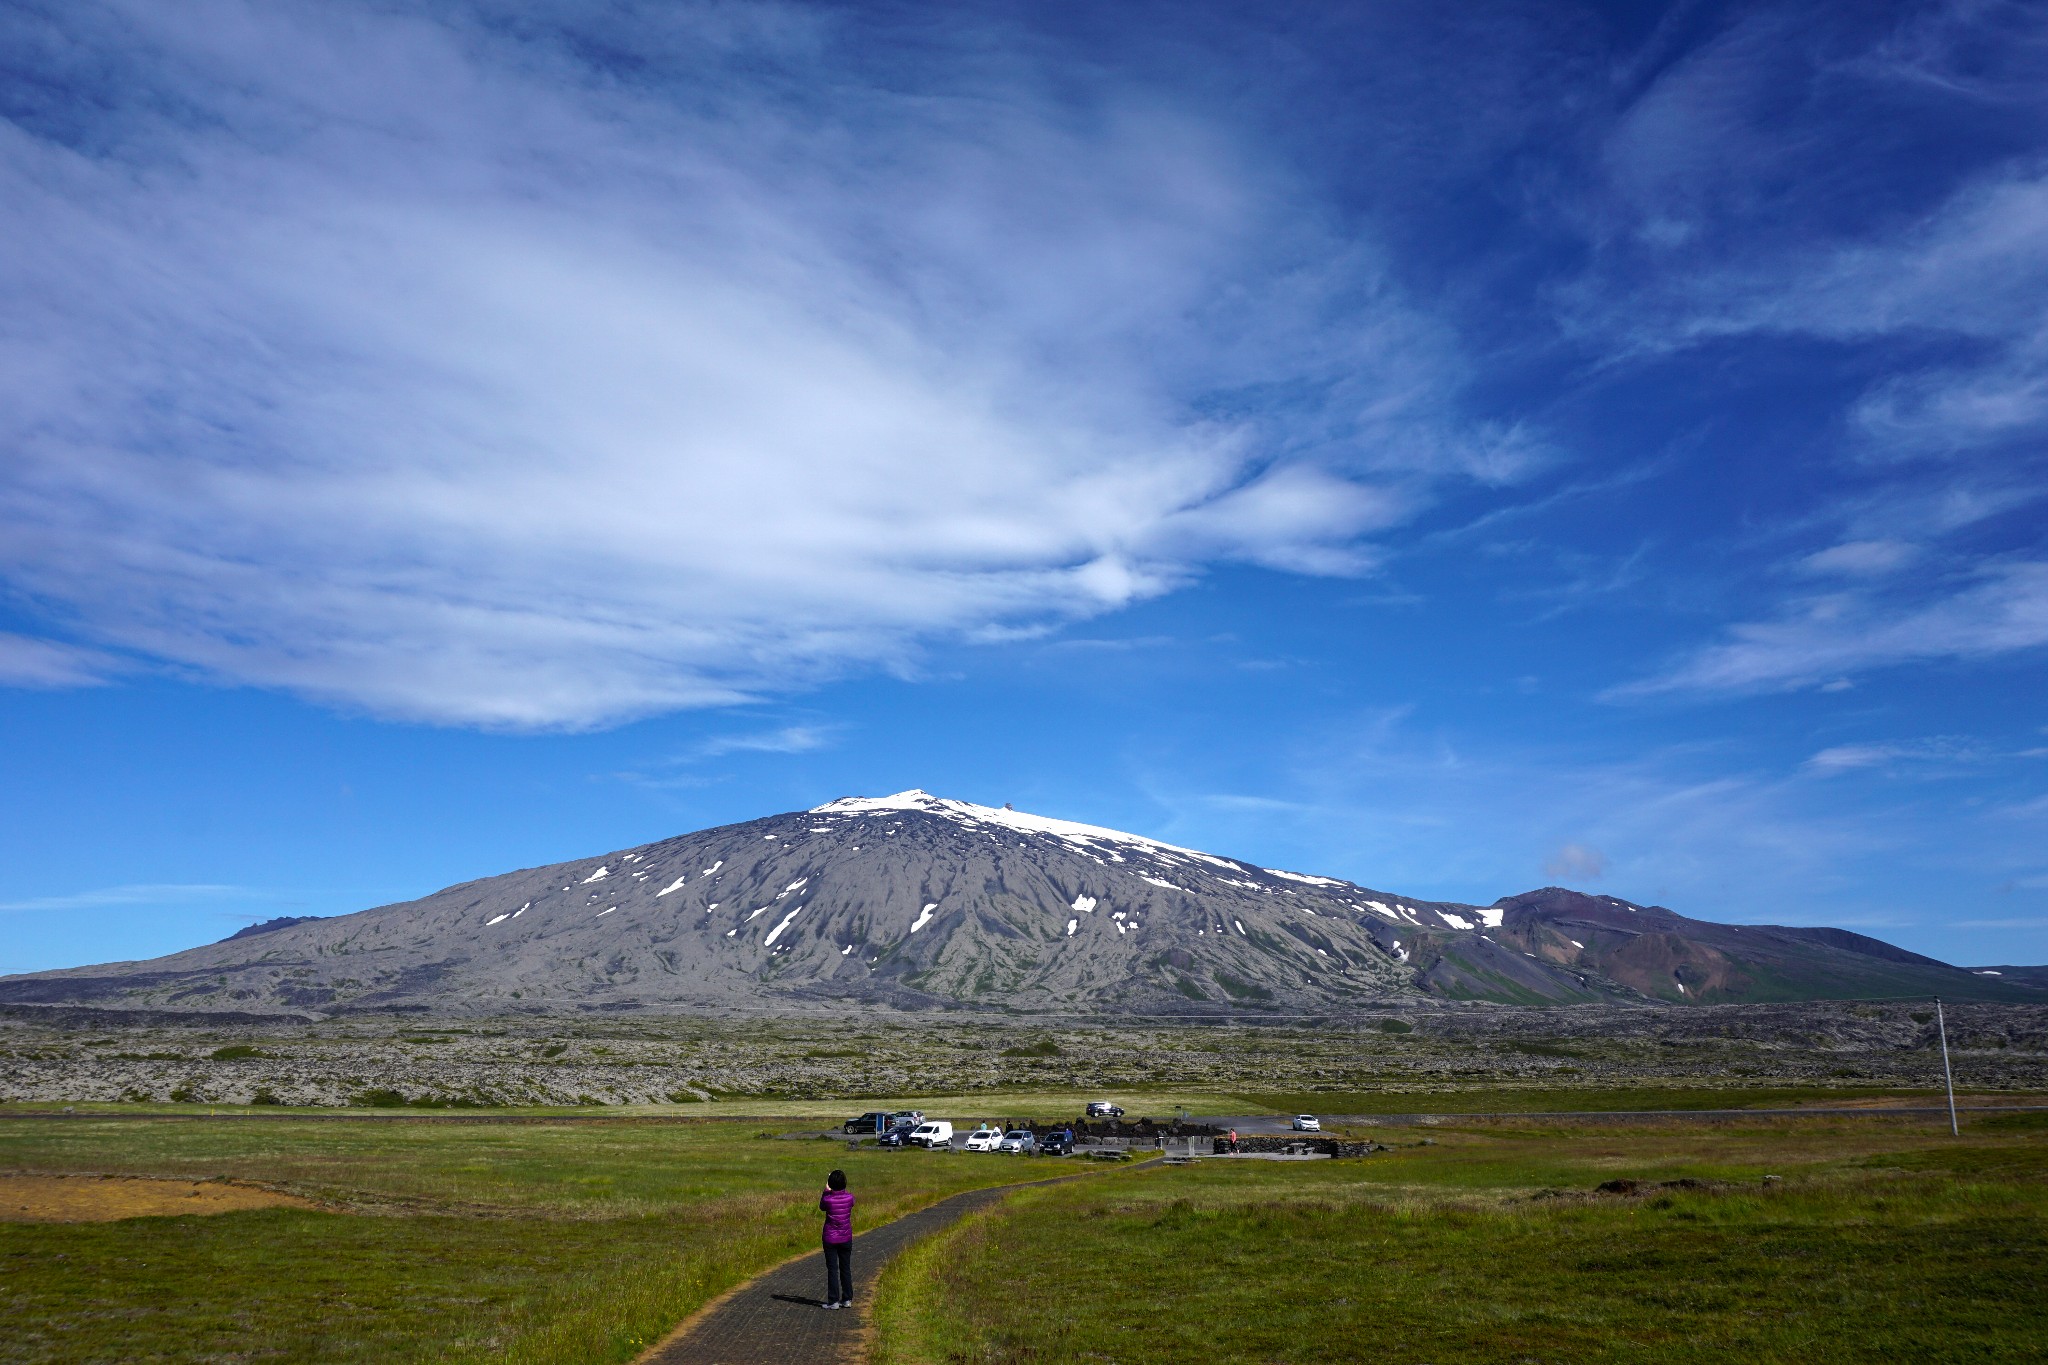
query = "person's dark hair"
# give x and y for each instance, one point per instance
(836, 1180)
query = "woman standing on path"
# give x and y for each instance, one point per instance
(837, 1204)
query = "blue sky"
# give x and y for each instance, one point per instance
(1457, 448)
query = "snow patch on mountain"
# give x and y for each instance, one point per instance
(968, 813)
(1303, 877)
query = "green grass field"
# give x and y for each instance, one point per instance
(1880, 1241)
(500, 1242)
(1474, 1240)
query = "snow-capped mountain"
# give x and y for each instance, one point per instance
(916, 901)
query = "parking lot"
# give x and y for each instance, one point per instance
(1156, 1138)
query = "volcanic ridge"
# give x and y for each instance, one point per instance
(915, 902)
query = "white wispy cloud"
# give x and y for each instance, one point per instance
(155, 893)
(1722, 220)
(684, 770)
(440, 370)
(1842, 758)
(2000, 610)
(27, 662)
(787, 739)
(1857, 558)
(1976, 270)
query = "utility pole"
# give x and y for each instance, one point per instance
(1946, 1074)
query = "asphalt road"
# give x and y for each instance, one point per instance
(1262, 1124)
(780, 1316)
(1266, 1124)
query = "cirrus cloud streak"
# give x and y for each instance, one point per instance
(422, 367)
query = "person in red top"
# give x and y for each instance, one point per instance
(837, 1204)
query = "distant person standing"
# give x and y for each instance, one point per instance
(837, 1204)
(1233, 1141)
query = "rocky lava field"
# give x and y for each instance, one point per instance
(83, 1056)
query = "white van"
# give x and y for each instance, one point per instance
(935, 1133)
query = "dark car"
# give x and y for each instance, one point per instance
(873, 1122)
(1057, 1143)
(898, 1135)
(1103, 1109)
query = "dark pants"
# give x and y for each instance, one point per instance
(839, 1272)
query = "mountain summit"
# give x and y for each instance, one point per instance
(919, 902)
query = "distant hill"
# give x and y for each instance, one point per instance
(916, 902)
(1666, 955)
(270, 926)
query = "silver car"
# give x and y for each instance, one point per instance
(1020, 1140)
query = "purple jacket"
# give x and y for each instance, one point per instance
(838, 1206)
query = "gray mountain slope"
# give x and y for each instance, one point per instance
(907, 901)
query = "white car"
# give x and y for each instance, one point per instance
(1307, 1123)
(936, 1133)
(984, 1139)
(1020, 1140)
